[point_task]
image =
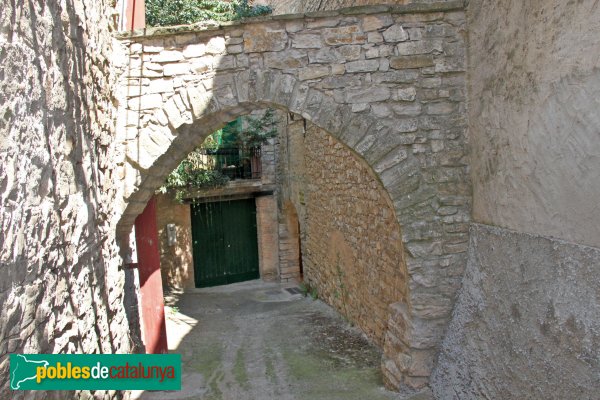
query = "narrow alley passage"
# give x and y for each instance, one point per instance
(259, 341)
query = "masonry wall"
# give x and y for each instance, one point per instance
(298, 6)
(61, 285)
(526, 323)
(352, 247)
(388, 82)
(176, 261)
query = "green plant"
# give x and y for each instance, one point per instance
(198, 171)
(258, 130)
(192, 173)
(308, 290)
(180, 12)
(304, 288)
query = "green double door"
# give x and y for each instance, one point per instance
(224, 242)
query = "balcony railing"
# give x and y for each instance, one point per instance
(233, 162)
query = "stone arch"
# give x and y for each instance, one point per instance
(191, 114)
(173, 132)
(394, 97)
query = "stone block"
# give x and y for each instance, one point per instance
(374, 37)
(200, 102)
(224, 62)
(235, 49)
(403, 76)
(395, 33)
(406, 94)
(145, 102)
(350, 34)
(420, 47)
(216, 45)
(440, 108)
(375, 22)
(307, 41)
(194, 50)
(167, 56)
(367, 95)
(160, 86)
(362, 66)
(313, 72)
(288, 59)
(181, 68)
(430, 83)
(258, 38)
(410, 109)
(325, 56)
(350, 52)
(323, 23)
(408, 62)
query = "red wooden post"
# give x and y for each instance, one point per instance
(153, 308)
(135, 15)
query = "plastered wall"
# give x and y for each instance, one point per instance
(534, 90)
(526, 322)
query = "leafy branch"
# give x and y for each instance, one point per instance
(199, 171)
(180, 12)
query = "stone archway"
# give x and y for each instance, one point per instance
(397, 102)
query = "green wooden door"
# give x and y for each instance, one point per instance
(224, 242)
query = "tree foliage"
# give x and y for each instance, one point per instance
(258, 130)
(199, 171)
(181, 12)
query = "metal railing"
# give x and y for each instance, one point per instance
(234, 162)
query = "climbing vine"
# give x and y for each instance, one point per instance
(181, 12)
(197, 171)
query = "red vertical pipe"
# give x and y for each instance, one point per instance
(135, 13)
(153, 308)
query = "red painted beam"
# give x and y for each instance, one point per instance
(153, 308)
(135, 15)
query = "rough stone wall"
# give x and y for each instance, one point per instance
(176, 262)
(298, 6)
(268, 237)
(387, 82)
(289, 244)
(526, 323)
(61, 287)
(291, 187)
(353, 249)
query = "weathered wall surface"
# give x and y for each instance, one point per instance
(353, 249)
(176, 261)
(267, 226)
(298, 6)
(527, 324)
(387, 82)
(291, 189)
(61, 289)
(533, 116)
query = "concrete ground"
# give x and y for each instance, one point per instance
(256, 341)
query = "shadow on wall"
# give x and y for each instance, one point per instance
(61, 287)
(176, 260)
(302, 6)
(402, 115)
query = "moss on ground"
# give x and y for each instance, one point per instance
(239, 369)
(332, 382)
